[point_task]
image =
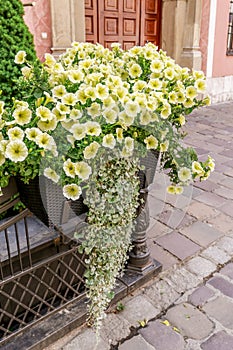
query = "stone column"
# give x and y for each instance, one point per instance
(68, 23)
(191, 54)
(181, 31)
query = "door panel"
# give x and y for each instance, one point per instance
(129, 22)
(91, 21)
(150, 21)
(119, 22)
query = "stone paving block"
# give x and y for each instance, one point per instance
(201, 211)
(201, 267)
(207, 185)
(229, 173)
(161, 294)
(218, 177)
(227, 208)
(158, 229)
(223, 285)
(136, 343)
(178, 201)
(192, 344)
(178, 245)
(227, 270)
(211, 199)
(224, 192)
(114, 329)
(88, 341)
(216, 255)
(190, 321)
(200, 296)
(156, 206)
(201, 233)
(221, 309)
(227, 181)
(175, 218)
(162, 337)
(183, 280)
(218, 341)
(221, 222)
(137, 309)
(226, 243)
(166, 259)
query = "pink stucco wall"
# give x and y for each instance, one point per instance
(204, 32)
(223, 64)
(38, 19)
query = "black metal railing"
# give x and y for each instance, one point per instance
(37, 276)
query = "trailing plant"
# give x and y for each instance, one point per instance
(15, 36)
(112, 199)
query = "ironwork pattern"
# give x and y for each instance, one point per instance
(33, 286)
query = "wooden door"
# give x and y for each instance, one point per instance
(150, 21)
(129, 22)
(119, 21)
(91, 21)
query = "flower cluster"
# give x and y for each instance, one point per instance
(92, 98)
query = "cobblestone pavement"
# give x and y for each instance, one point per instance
(189, 306)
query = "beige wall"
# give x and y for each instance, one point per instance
(181, 23)
(68, 23)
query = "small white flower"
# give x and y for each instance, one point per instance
(72, 191)
(51, 174)
(16, 151)
(109, 141)
(83, 170)
(184, 174)
(93, 128)
(20, 57)
(69, 168)
(91, 150)
(15, 133)
(32, 133)
(79, 131)
(22, 115)
(151, 142)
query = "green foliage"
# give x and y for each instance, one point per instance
(14, 36)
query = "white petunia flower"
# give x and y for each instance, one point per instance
(69, 168)
(69, 99)
(132, 108)
(16, 151)
(59, 91)
(20, 57)
(32, 133)
(83, 170)
(15, 133)
(51, 174)
(79, 131)
(72, 191)
(109, 141)
(22, 115)
(184, 174)
(91, 150)
(151, 142)
(129, 143)
(93, 128)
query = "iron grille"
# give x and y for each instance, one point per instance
(230, 31)
(35, 281)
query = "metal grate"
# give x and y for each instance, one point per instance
(230, 31)
(35, 281)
